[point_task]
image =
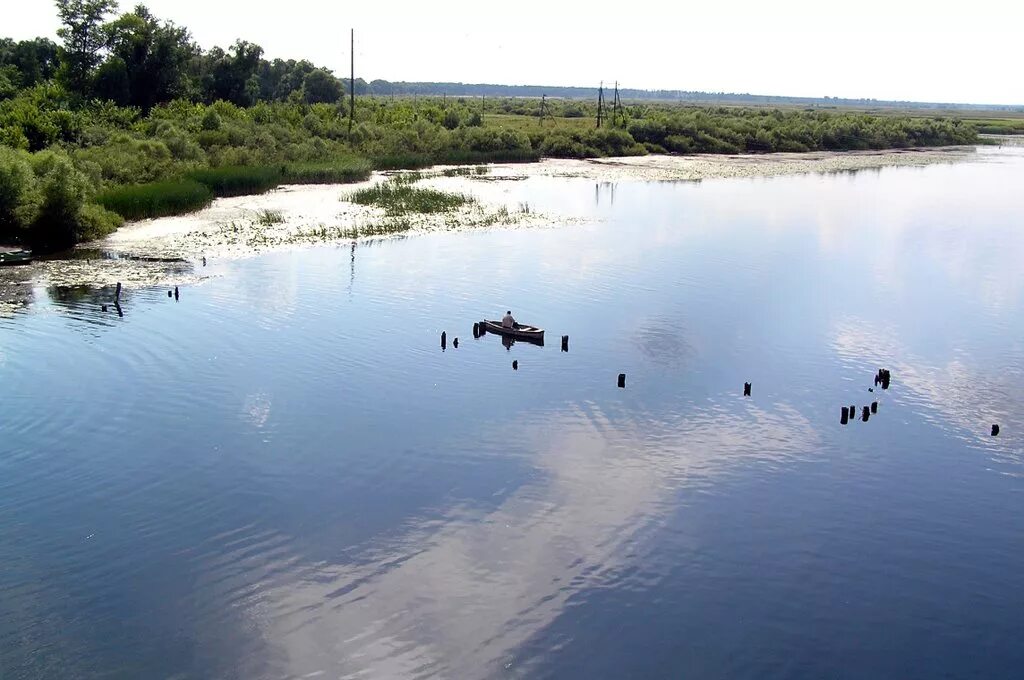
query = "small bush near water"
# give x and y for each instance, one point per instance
(45, 202)
(398, 197)
(157, 199)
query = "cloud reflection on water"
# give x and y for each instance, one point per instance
(457, 598)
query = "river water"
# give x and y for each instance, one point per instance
(281, 474)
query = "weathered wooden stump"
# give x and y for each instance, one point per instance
(995, 430)
(515, 365)
(565, 343)
(845, 418)
(746, 389)
(874, 407)
(866, 414)
(622, 379)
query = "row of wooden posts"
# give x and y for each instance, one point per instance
(847, 413)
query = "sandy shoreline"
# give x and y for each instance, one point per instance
(318, 214)
(227, 229)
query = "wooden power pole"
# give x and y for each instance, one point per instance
(615, 105)
(600, 103)
(352, 82)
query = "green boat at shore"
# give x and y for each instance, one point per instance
(15, 257)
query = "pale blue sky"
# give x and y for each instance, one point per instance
(895, 49)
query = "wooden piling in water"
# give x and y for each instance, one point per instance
(565, 343)
(884, 377)
(622, 379)
(170, 293)
(866, 414)
(845, 417)
(103, 308)
(175, 292)
(455, 343)
(444, 339)
(874, 407)
(515, 365)
(746, 389)
(117, 293)
(476, 330)
(995, 430)
(853, 411)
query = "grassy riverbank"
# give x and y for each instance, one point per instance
(173, 159)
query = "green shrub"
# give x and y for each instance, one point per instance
(62, 191)
(156, 199)
(19, 198)
(127, 160)
(95, 222)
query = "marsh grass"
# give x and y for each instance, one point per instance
(340, 171)
(268, 218)
(398, 197)
(157, 199)
(466, 171)
(239, 180)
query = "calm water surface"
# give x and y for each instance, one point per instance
(282, 475)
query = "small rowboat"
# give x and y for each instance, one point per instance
(12, 258)
(519, 331)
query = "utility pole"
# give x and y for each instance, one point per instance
(615, 104)
(352, 82)
(600, 103)
(543, 98)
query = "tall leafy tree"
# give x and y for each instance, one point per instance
(321, 87)
(33, 61)
(84, 38)
(155, 56)
(231, 76)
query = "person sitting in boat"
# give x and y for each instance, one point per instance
(508, 321)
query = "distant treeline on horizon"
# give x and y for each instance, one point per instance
(404, 88)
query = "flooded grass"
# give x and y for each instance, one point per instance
(475, 171)
(269, 218)
(398, 197)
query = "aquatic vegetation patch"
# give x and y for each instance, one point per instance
(269, 218)
(398, 197)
